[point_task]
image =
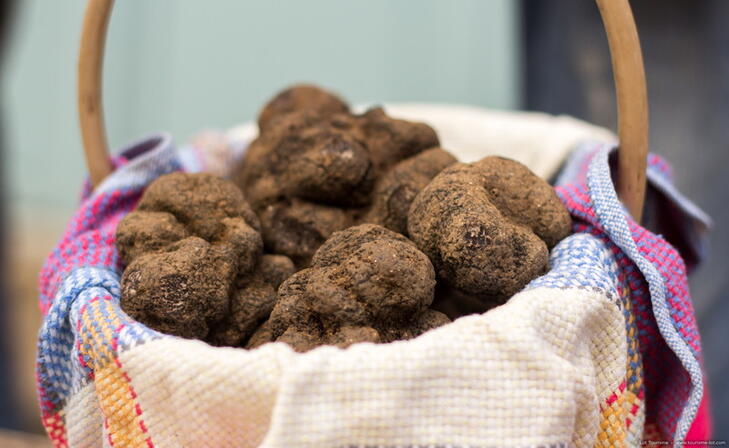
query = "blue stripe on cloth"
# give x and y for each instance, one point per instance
(62, 369)
(581, 261)
(59, 369)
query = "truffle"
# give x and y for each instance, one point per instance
(182, 289)
(139, 233)
(199, 201)
(487, 226)
(194, 255)
(365, 283)
(178, 205)
(301, 97)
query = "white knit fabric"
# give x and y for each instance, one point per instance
(529, 373)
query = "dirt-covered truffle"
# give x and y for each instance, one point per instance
(365, 283)
(487, 226)
(182, 289)
(139, 233)
(177, 205)
(301, 97)
(297, 228)
(314, 165)
(194, 260)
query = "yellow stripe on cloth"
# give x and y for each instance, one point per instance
(117, 398)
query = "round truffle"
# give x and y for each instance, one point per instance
(181, 290)
(486, 226)
(301, 97)
(142, 232)
(296, 228)
(365, 284)
(199, 201)
(189, 239)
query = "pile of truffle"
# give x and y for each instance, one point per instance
(337, 228)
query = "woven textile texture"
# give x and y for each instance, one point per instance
(600, 351)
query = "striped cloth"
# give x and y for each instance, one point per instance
(603, 350)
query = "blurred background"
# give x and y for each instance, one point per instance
(185, 65)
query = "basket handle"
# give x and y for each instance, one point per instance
(627, 61)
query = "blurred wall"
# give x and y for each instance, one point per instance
(184, 65)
